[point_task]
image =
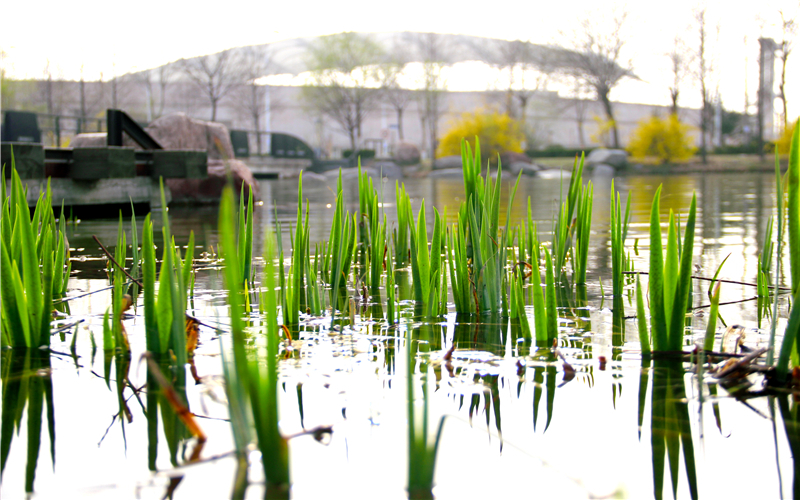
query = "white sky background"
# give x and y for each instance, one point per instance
(113, 38)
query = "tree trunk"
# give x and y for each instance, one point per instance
(610, 115)
(782, 90)
(256, 117)
(351, 131)
(400, 123)
(83, 105)
(704, 130)
(673, 94)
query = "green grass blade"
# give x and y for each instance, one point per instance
(657, 312)
(644, 336)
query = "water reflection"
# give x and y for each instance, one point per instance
(26, 384)
(495, 378)
(671, 430)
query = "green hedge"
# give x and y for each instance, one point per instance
(365, 154)
(555, 151)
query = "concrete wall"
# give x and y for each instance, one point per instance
(551, 119)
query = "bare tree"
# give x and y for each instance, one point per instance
(702, 73)
(249, 96)
(215, 75)
(789, 29)
(398, 97)
(528, 73)
(156, 82)
(432, 53)
(596, 60)
(344, 80)
(678, 63)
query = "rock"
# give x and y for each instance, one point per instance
(526, 168)
(406, 153)
(385, 169)
(602, 170)
(510, 157)
(614, 157)
(209, 190)
(447, 162)
(446, 173)
(178, 131)
(89, 140)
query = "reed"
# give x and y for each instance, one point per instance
(780, 197)
(486, 243)
(517, 299)
(245, 245)
(403, 209)
(583, 229)
(367, 215)
(33, 252)
(293, 294)
(426, 264)
(619, 233)
(460, 277)
(422, 445)
(165, 311)
(670, 277)
(789, 347)
(391, 297)
(374, 240)
(563, 228)
(260, 380)
(340, 250)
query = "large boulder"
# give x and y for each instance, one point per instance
(613, 157)
(89, 140)
(209, 190)
(510, 157)
(406, 153)
(447, 162)
(178, 131)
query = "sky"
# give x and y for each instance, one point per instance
(113, 38)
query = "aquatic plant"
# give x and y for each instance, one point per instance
(33, 253)
(619, 233)
(479, 218)
(426, 264)
(403, 209)
(24, 385)
(422, 446)
(563, 228)
(583, 229)
(259, 380)
(789, 347)
(671, 428)
(293, 293)
(340, 249)
(245, 234)
(391, 298)
(372, 232)
(164, 313)
(780, 197)
(460, 277)
(670, 278)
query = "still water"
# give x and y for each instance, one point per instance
(517, 422)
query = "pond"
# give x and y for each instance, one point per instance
(591, 419)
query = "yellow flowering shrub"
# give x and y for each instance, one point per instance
(497, 132)
(784, 142)
(665, 139)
